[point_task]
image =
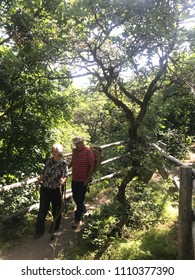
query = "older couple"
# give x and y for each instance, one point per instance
(54, 176)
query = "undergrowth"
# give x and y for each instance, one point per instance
(149, 233)
(14, 231)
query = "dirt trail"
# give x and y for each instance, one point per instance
(44, 248)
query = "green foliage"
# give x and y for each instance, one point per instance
(20, 198)
(13, 232)
(150, 232)
(101, 224)
(32, 102)
(171, 114)
(158, 243)
(8, 179)
(161, 243)
(148, 203)
(98, 114)
(126, 250)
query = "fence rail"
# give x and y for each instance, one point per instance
(17, 185)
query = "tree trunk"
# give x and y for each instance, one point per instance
(121, 190)
(132, 172)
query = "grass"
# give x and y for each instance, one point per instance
(158, 243)
(13, 232)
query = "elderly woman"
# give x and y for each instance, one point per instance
(53, 177)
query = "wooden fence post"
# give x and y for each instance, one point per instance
(185, 213)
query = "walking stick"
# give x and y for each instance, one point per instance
(59, 211)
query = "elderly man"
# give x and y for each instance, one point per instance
(83, 162)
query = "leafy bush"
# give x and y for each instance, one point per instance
(158, 243)
(143, 237)
(17, 199)
(102, 223)
(147, 203)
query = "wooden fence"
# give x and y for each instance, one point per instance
(186, 238)
(185, 183)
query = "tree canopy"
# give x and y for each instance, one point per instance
(136, 53)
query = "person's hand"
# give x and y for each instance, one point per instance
(87, 181)
(62, 181)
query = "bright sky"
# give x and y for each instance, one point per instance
(81, 82)
(84, 82)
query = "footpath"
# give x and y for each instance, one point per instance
(45, 248)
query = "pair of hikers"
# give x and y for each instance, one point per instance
(54, 176)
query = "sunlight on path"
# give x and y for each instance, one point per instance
(46, 249)
(43, 248)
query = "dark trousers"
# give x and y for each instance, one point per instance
(78, 192)
(48, 196)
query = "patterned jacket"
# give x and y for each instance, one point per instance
(53, 171)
